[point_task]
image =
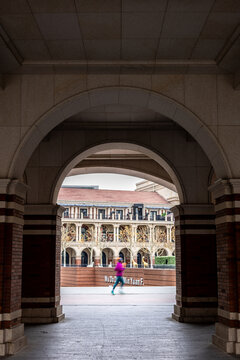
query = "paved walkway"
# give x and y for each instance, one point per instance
(133, 295)
(101, 326)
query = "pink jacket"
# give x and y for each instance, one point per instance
(119, 269)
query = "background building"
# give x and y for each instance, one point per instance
(100, 225)
(170, 195)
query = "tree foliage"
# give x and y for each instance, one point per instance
(142, 233)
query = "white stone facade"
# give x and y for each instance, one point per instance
(104, 231)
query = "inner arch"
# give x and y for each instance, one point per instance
(108, 146)
(122, 171)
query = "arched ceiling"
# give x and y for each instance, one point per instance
(119, 36)
(118, 116)
(126, 162)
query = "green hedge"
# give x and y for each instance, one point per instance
(160, 260)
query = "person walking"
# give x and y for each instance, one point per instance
(119, 274)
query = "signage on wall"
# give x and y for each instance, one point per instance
(128, 281)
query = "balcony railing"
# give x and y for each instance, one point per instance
(120, 218)
(119, 242)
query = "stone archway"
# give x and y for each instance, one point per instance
(91, 148)
(122, 96)
(109, 145)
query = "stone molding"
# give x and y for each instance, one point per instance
(10, 316)
(225, 187)
(194, 219)
(13, 187)
(229, 315)
(41, 299)
(12, 340)
(43, 315)
(227, 195)
(195, 314)
(227, 339)
(196, 299)
(11, 220)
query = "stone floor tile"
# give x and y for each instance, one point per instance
(127, 332)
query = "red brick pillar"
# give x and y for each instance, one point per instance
(41, 264)
(78, 261)
(196, 271)
(97, 261)
(227, 207)
(12, 194)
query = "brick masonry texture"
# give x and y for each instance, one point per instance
(78, 276)
(41, 260)
(10, 261)
(228, 258)
(196, 267)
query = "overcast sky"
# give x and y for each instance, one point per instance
(104, 181)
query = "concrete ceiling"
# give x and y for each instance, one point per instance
(61, 35)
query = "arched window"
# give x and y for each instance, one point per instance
(84, 259)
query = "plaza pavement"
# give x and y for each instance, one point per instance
(136, 325)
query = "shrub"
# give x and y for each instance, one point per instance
(163, 260)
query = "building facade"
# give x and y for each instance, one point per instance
(98, 226)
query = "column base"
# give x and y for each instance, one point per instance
(12, 340)
(194, 315)
(42, 315)
(227, 339)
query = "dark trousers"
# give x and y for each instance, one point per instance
(118, 280)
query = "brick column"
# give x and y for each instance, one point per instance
(97, 261)
(12, 194)
(41, 264)
(196, 271)
(78, 260)
(227, 206)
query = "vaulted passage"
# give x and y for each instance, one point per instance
(157, 79)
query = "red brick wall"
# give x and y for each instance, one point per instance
(228, 255)
(95, 276)
(41, 258)
(10, 258)
(196, 260)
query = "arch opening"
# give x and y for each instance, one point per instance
(169, 168)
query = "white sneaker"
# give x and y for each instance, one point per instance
(121, 291)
